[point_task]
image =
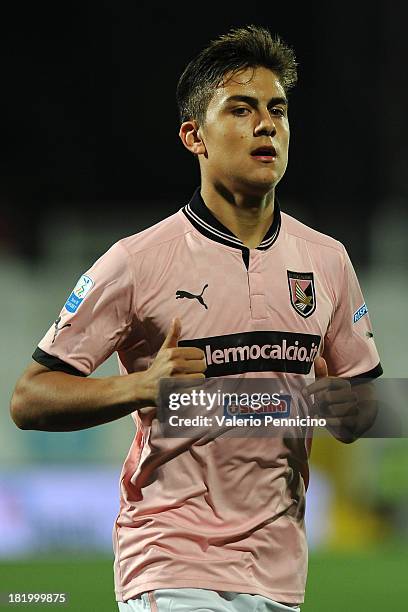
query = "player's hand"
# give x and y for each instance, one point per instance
(173, 361)
(334, 400)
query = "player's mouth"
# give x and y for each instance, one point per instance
(264, 154)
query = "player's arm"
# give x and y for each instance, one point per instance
(343, 392)
(56, 401)
(349, 409)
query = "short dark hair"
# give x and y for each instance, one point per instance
(240, 48)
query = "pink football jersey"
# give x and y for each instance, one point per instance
(227, 514)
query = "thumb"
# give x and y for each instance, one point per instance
(320, 367)
(173, 335)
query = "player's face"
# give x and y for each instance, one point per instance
(249, 112)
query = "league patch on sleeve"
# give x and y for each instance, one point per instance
(83, 286)
(360, 313)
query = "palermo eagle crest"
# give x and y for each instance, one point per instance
(302, 292)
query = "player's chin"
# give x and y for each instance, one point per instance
(267, 172)
(262, 183)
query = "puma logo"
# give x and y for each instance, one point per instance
(190, 296)
(57, 329)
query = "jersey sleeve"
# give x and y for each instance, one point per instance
(95, 319)
(349, 347)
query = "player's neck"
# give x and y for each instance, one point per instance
(247, 217)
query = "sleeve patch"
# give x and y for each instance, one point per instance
(363, 310)
(83, 286)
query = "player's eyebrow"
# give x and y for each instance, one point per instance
(254, 102)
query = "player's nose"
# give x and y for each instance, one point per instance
(266, 124)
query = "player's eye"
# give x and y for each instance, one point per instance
(240, 112)
(280, 112)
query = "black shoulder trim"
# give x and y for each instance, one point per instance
(374, 373)
(54, 363)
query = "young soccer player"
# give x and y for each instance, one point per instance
(229, 286)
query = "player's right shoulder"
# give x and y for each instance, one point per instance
(152, 245)
(167, 230)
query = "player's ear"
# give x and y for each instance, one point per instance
(191, 137)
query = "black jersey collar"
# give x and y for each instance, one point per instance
(204, 221)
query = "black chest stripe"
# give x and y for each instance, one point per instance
(258, 351)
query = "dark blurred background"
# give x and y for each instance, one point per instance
(89, 117)
(90, 153)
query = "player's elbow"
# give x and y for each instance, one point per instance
(17, 412)
(29, 400)
(20, 406)
(347, 437)
(348, 440)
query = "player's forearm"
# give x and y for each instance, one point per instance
(56, 401)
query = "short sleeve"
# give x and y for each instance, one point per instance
(95, 319)
(349, 346)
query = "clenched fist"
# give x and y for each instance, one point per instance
(172, 361)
